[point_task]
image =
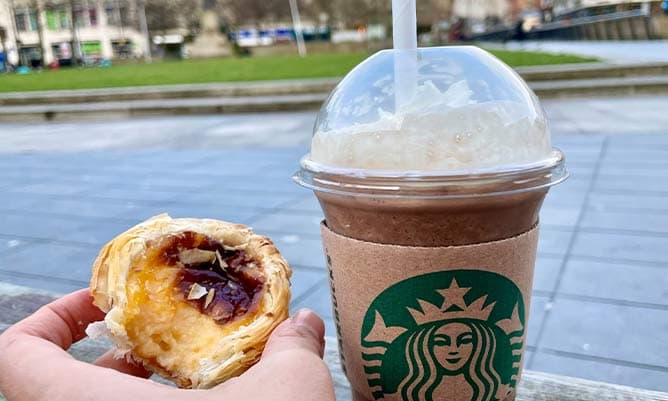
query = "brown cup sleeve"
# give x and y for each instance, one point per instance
(422, 323)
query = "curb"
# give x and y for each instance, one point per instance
(142, 108)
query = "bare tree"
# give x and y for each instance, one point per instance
(162, 15)
(343, 12)
(256, 11)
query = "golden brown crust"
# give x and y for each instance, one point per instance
(199, 353)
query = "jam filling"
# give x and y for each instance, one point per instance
(221, 281)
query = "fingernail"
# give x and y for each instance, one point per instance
(301, 317)
(309, 319)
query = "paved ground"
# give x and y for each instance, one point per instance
(600, 307)
(609, 50)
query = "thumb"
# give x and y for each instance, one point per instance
(304, 330)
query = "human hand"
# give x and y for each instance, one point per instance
(34, 364)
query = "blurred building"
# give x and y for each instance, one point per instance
(557, 19)
(482, 14)
(586, 8)
(89, 29)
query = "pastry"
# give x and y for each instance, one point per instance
(193, 300)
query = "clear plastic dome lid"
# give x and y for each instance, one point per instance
(433, 112)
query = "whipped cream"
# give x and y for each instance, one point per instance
(439, 130)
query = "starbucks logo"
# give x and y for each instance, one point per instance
(458, 332)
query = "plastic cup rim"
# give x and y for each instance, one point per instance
(389, 183)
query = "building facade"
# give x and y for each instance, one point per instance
(83, 29)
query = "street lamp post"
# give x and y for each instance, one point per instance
(297, 25)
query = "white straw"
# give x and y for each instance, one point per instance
(404, 25)
(404, 36)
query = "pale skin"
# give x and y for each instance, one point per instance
(34, 364)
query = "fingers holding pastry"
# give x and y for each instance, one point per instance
(62, 322)
(191, 299)
(111, 360)
(304, 331)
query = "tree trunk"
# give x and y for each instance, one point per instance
(76, 45)
(3, 48)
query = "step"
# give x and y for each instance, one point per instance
(601, 87)
(591, 71)
(144, 108)
(296, 87)
(166, 92)
(256, 104)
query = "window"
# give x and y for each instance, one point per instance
(92, 15)
(57, 19)
(21, 22)
(80, 18)
(112, 14)
(93, 48)
(26, 20)
(117, 13)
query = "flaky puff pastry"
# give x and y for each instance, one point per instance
(138, 280)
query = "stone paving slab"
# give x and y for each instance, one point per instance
(624, 201)
(601, 370)
(619, 332)
(51, 260)
(634, 247)
(625, 221)
(611, 281)
(600, 276)
(540, 304)
(548, 270)
(60, 286)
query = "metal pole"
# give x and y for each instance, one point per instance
(297, 25)
(141, 5)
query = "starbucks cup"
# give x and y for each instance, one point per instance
(431, 206)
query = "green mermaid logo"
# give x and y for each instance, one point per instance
(458, 332)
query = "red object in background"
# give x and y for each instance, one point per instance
(54, 65)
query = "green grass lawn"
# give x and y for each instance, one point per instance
(521, 58)
(225, 70)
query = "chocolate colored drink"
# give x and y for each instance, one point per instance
(431, 213)
(431, 222)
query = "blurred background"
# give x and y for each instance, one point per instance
(112, 111)
(51, 33)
